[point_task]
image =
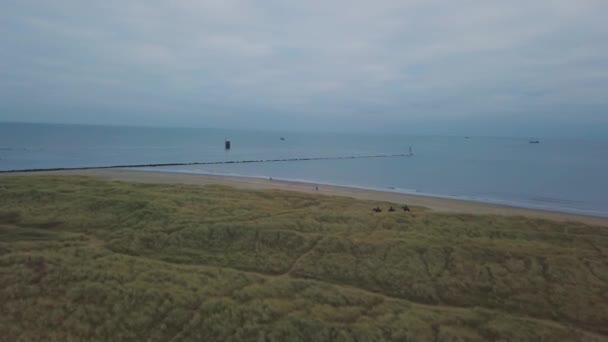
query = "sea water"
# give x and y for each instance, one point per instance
(569, 175)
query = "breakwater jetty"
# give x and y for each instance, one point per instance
(280, 160)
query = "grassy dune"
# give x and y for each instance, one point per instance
(82, 258)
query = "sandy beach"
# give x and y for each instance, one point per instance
(434, 203)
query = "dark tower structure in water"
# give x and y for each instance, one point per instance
(227, 144)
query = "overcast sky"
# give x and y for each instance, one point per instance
(347, 64)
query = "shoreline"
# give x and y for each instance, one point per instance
(435, 203)
(394, 190)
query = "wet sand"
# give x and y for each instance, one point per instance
(434, 203)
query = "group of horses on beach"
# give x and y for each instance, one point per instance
(391, 209)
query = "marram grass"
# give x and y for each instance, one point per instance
(86, 259)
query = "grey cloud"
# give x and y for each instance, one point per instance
(222, 63)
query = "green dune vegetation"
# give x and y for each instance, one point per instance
(88, 259)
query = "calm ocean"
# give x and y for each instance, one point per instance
(557, 174)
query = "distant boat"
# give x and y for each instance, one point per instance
(282, 138)
(534, 142)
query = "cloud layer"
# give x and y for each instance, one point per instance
(303, 64)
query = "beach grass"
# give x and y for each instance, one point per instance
(88, 259)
